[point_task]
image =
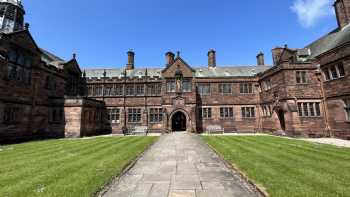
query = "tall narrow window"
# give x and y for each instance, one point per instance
(347, 109)
(341, 70)
(113, 115)
(154, 89)
(301, 77)
(10, 114)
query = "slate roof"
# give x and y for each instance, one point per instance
(200, 72)
(51, 59)
(330, 41)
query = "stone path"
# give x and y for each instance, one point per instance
(180, 165)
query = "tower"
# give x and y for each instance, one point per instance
(11, 15)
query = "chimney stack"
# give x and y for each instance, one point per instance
(131, 60)
(342, 10)
(170, 58)
(212, 58)
(261, 59)
(276, 54)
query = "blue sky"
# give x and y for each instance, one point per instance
(101, 32)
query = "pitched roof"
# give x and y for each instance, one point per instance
(51, 59)
(200, 72)
(230, 71)
(330, 41)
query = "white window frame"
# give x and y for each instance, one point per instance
(206, 112)
(134, 115)
(248, 112)
(309, 109)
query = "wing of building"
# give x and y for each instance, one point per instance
(306, 92)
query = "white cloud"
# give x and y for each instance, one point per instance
(311, 11)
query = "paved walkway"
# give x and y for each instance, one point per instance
(180, 165)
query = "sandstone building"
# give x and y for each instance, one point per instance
(306, 92)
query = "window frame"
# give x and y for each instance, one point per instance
(222, 87)
(186, 86)
(155, 115)
(170, 86)
(113, 115)
(206, 112)
(134, 115)
(334, 72)
(301, 77)
(309, 109)
(204, 86)
(246, 88)
(226, 113)
(248, 112)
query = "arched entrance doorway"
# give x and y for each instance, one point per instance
(178, 122)
(280, 114)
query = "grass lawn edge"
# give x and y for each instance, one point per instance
(258, 188)
(125, 169)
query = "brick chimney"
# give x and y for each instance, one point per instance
(170, 58)
(212, 58)
(260, 59)
(342, 10)
(131, 60)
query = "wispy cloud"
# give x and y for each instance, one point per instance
(311, 11)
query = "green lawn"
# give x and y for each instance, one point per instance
(66, 167)
(286, 167)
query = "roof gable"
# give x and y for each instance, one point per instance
(72, 66)
(24, 39)
(187, 71)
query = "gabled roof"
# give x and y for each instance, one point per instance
(330, 41)
(181, 60)
(51, 59)
(25, 31)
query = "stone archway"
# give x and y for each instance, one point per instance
(179, 122)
